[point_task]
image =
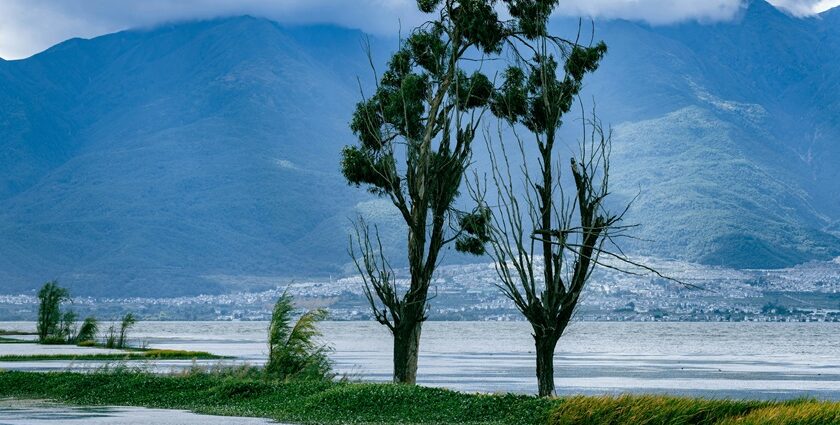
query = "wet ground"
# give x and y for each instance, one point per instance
(27, 412)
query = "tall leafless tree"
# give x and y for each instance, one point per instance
(546, 239)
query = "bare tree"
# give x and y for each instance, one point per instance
(415, 140)
(546, 240)
(544, 269)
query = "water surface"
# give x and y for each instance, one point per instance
(26, 412)
(741, 360)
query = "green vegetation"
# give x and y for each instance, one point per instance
(50, 326)
(4, 332)
(299, 401)
(15, 341)
(57, 327)
(129, 355)
(248, 392)
(87, 333)
(664, 410)
(115, 340)
(293, 351)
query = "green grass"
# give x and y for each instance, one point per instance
(664, 410)
(302, 401)
(4, 332)
(131, 355)
(15, 341)
(244, 392)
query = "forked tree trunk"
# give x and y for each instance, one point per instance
(406, 349)
(545, 345)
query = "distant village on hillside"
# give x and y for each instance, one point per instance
(806, 293)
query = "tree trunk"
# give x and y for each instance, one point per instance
(545, 345)
(406, 348)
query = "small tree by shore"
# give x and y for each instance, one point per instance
(57, 327)
(50, 298)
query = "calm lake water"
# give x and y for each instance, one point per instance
(739, 360)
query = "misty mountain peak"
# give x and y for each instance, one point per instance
(160, 157)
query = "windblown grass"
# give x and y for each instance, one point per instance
(665, 410)
(794, 413)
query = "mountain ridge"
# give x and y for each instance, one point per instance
(153, 161)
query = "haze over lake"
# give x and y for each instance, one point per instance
(740, 360)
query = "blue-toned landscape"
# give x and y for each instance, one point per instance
(196, 177)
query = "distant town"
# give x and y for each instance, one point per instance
(806, 293)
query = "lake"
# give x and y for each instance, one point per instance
(738, 360)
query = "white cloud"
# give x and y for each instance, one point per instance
(654, 11)
(806, 7)
(29, 26)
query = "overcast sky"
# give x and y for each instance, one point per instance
(30, 26)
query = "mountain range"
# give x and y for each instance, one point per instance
(173, 160)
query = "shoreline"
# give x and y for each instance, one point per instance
(240, 392)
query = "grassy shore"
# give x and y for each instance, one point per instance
(4, 332)
(130, 355)
(362, 403)
(4, 340)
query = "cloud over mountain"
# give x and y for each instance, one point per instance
(29, 26)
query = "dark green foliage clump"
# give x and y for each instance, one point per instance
(293, 348)
(539, 103)
(50, 326)
(532, 15)
(476, 232)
